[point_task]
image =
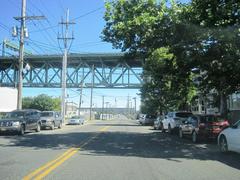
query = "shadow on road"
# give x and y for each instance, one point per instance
(108, 124)
(145, 145)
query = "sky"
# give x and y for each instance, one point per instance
(88, 16)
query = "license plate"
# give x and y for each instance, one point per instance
(2, 129)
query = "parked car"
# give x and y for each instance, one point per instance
(228, 139)
(21, 121)
(51, 119)
(158, 123)
(147, 119)
(202, 127)
(76, 120)
(140, 117)
(173, 120)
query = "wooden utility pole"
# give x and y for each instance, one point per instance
(23, 33)
(65, 39)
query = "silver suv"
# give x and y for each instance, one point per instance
(50, 119)
(173, 120)
(147, 119)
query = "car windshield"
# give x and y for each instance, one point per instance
(183, 115)
(76, 117)
(46, 114)
(151, 116)
(16, 114)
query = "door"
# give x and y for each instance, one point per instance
(57, 119)
(190, 125)
(29, 122)
(234, 137)
(167, 120)
(35, 119)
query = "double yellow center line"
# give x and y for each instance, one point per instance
(44, 170)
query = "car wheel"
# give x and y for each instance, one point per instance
(180, 133)
(169, 129)
(52, 126)
(38, 129)
(194, 137)
(22, 130)
(223, 144)
(60, 125)
(162, 128)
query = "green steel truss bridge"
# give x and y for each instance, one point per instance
(106, 70)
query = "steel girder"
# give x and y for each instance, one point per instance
(47, 73)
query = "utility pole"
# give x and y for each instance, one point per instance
(102, 106)
(107, 103)
(128, 99)
(93, 70)
(135, 105)
(65, 39)
(23, 32)
(80, 99)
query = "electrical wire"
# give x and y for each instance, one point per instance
(43, 14)
(55, 26)
(46, 33)
(5, 27)
(43, 44)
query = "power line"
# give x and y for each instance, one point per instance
(90, 12)
(5, 27)
(43, 14)
(46, 34)
(55, 26)
(44, 44)
(36, 51)
(39, 47)
(61, 5)
(49, 11)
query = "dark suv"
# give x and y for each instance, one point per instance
(20, 121)
(203, 127)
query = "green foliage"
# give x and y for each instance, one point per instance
(27, 102)
(42, 102)
(219, 52)
(174, 39)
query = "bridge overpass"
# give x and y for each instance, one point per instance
(97, 70)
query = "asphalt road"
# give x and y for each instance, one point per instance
(112, 150)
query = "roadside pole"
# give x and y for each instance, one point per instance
(23, 33)
(65, 39)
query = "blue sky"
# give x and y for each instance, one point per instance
(88, 16)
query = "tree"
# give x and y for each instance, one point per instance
(42, 102)
(218, 55)
(27, 102)
(156, 32)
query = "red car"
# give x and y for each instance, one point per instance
(203, 126)
(215, 124)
